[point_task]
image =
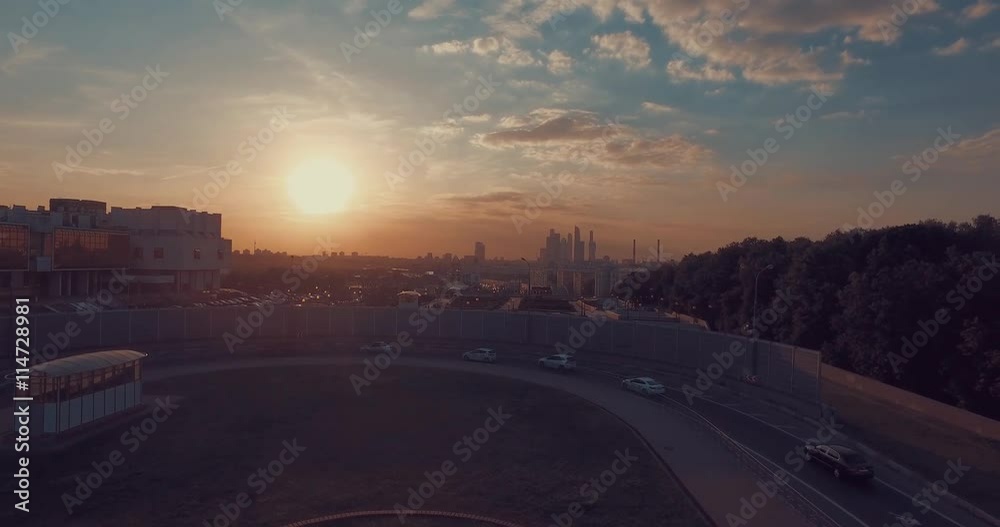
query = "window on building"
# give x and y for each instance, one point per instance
(222, 255)
(197, 254)
(137, 253)
(158, 253)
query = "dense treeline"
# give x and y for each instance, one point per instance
(916, 306)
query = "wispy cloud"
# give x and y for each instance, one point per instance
(431, 9)
(657, 108)
(626, 47)
(955, 48)
(28, 55)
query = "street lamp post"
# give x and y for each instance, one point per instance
(753, 322)
(529, 275)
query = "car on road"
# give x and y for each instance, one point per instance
(561, 361)
(377, 347)
(481, 355)
(643, 385)
(844, 461)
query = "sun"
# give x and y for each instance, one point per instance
(320, 186)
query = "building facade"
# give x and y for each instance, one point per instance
(174, 249)
(76, 248)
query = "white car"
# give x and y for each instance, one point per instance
(376, 347)
(481, 355)
(561, 361)
(643, 385)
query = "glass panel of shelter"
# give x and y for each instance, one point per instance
(53, 389)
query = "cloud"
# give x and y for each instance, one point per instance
(860, 114)
(711, 131)
(496, 196)
(29, 54)
(533, 85)
(560, 63)
(995, 44)
(986, 146)
(560, 129)
(657, 108)
(849, 60)
(626, 47)
(451, 47)
(679, 70)
(569, 135)
(14, 122)
(977, 10)
(430, 9)
(955, 48)
(481, 118)
(506, 51)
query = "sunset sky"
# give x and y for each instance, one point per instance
(692, 85)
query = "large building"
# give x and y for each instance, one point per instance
(578, 246)
(480, 252)
(174, 249)
(76, 249)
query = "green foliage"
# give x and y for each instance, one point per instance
(861, 297)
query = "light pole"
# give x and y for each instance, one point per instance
(753, 322)
(529, 275)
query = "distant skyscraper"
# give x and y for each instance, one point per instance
(592, 248)
(552, 247)
(563, 250)
(480, 252)
(578, 246)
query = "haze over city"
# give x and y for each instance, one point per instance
(663, 99)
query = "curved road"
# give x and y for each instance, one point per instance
(721, 451)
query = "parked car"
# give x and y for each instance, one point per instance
(842, 460)
(377, 347)
(481, 355)
(643, 385)
(561, 361)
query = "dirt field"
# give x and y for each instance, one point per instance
(299, 444)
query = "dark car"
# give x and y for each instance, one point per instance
(843, 461)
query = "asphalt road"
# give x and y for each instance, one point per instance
(758, 441)
(775, 442)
